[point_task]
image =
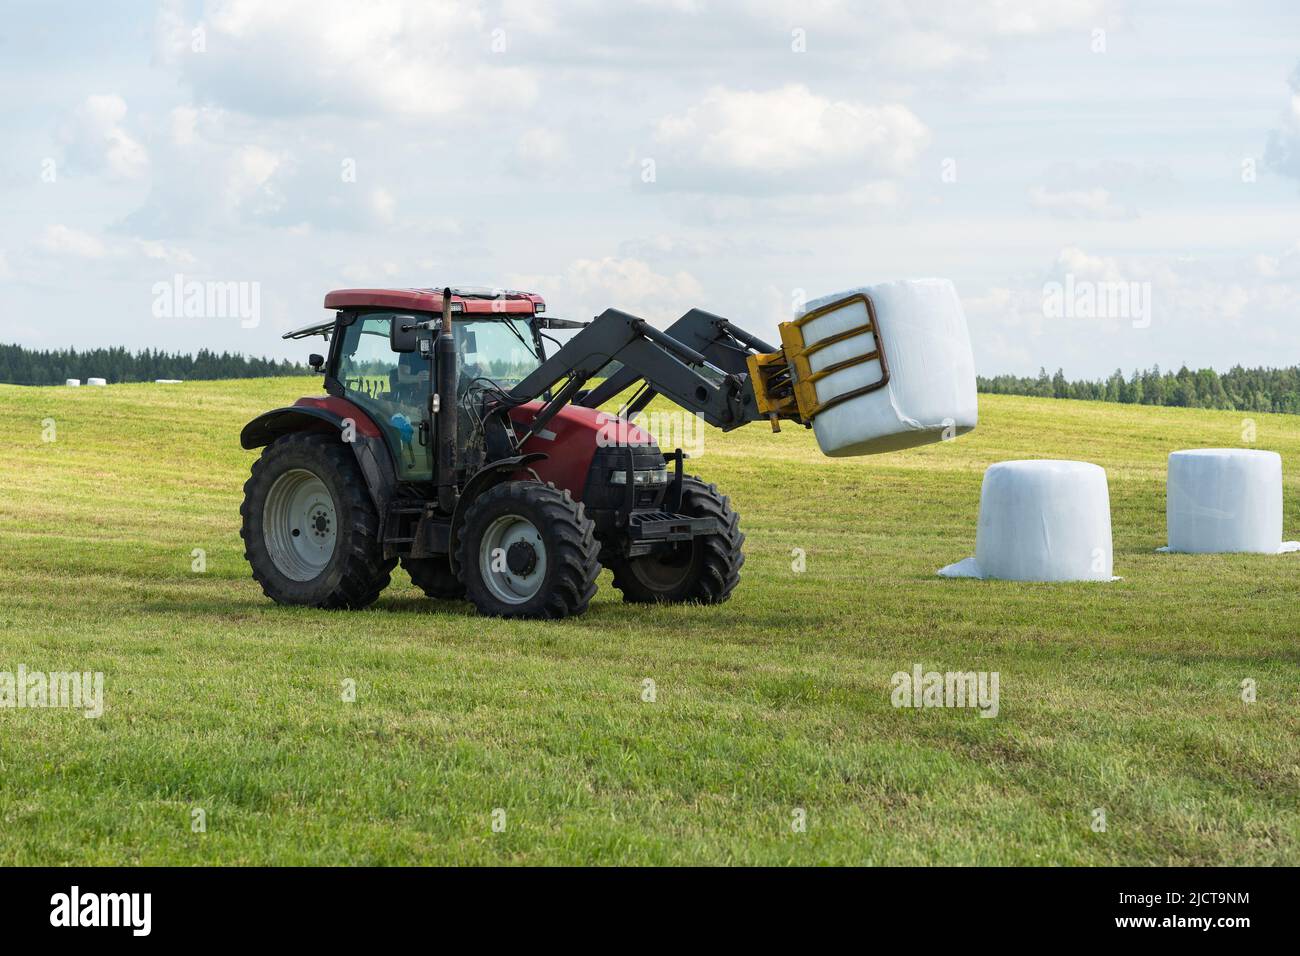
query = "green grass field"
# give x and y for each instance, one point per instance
(1123, 696)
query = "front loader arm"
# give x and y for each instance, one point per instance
(724, 345)
(709, 381)
(774, 384)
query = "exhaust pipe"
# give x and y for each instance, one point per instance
(445, 355)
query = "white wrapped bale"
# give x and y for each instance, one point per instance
(930, 393)
(96, 381)
(1225, 500)
(1042, 521)
(73, 383)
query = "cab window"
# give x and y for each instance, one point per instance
(393, 387)
(366, 362)
(499, 349)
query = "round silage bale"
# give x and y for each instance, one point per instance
(929, 392)
(1224, 500)
(1042, 520)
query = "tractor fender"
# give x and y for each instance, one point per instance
(479, 482)
(333, 415)
(307, 414)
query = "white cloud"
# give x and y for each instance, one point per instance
(1075, 261)
(301, 57)
(184, 125)
(363, 274)
(1284, 266)
(383, 205)
(245, 143)
(172, 256)
(212, 174)
(1195, 306)
(661, 247)
(931, 51)
(62, 240)
(535, 16)
(1282, 153)
(1024, 17)
(589, 286)
(1095, 203)
(886, 36)
(222, 171)
(249, 180)
(792, 128)
(540, 147)
(945, 34)
(96, 137)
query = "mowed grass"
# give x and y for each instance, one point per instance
(1123, 696)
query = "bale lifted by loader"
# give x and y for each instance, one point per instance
(449, 442)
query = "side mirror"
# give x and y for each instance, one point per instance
(316, 362)
(402, 333)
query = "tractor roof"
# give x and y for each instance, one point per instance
(470, 299)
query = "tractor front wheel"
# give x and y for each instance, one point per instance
(528, 550)
(310, 530)
(703, 570)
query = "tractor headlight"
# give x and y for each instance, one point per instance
(641, 476)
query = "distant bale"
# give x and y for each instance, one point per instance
(96, 381)
(73, 383)
(167, 381)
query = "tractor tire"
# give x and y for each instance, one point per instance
(704, 570)
(528, 550)
(435, 578)
(310, 530)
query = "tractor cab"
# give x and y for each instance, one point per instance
(382, 358)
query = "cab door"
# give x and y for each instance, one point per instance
(393, 388)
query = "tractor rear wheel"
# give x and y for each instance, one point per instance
(310, 530)
(435, 577)
(528, 550)
(704, 570)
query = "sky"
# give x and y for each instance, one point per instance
(1108, 183)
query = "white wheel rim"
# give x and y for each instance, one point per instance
(506, 585)
(299, 525)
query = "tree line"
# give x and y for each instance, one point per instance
(1239, 389)
(23, 366)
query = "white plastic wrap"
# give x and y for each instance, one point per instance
(73, 383)
(96, 381)
(1225, 500)
(1041, 521)
(931, 389)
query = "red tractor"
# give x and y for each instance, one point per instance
(450, 442)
